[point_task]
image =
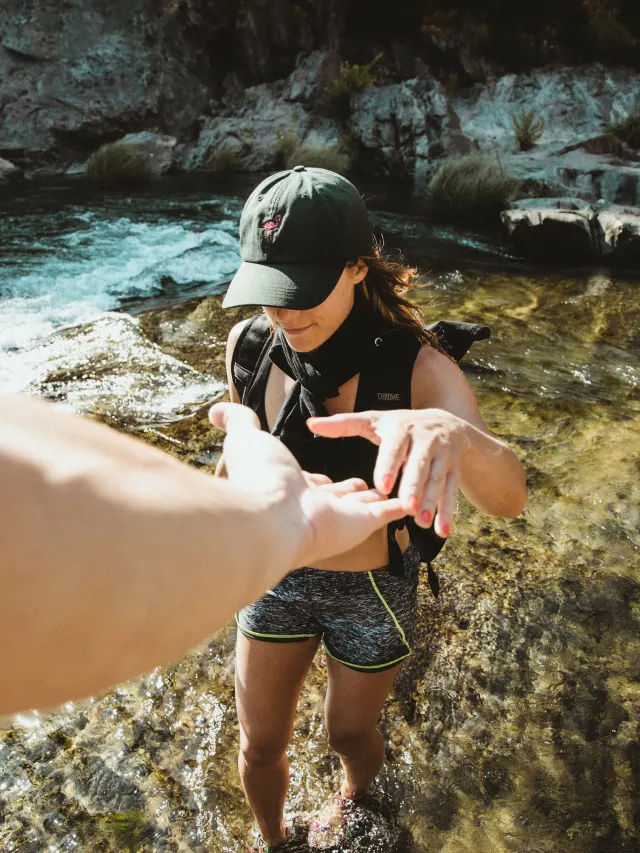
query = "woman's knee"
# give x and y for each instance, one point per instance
(262, 750)
(347, 740)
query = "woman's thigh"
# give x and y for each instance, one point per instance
(269, 678)
(354, 700)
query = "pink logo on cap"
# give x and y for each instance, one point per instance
(272, 224)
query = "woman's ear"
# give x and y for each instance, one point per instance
(359, 271)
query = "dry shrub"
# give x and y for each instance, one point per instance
(528, 129)
(116, 163)
(471, 189)
(317, 156)
(287, 141)
(223, 161)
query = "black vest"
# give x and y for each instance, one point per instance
(384, 384)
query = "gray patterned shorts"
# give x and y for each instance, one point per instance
(366, 619)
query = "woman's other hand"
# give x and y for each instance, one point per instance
(438, 454)
(427, 445)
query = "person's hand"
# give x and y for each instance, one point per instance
(324, 518)
(428, 443)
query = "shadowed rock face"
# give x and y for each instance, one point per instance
(223, 76)
(515, 724)
(75, 75)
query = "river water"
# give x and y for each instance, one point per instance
(515, 725)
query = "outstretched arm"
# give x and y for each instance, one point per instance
(115, 558)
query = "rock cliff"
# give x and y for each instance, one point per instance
(217, 74)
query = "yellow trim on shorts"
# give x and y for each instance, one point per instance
(391, 613)
(395, 622)
(274, 636)
(386, 665)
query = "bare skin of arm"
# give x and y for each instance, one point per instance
(232, 340)
(115, 558)
(437, 448)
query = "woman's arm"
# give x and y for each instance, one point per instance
(491, 475)
(441, 445)
(115, 558)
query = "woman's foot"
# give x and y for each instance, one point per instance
(290, 844)
(329, 828)
(365, 823)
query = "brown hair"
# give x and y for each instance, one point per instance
(385, 285)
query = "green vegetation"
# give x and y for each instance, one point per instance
(528, 129)
(336, 98)
(223, 161)
(471, 189)
(627, 129)
(115, 163)
(286, 142)
(307, 154)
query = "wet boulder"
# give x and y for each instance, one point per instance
(9, 171)
(568, 229)
(619, 235)
(551, 228)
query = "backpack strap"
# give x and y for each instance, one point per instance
(249, 353)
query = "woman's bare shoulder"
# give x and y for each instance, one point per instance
(433, 366)
(438, 382)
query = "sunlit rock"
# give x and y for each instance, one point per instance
(108, 367)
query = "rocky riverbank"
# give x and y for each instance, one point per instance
(74, 76)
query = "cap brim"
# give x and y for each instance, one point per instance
(295, 286)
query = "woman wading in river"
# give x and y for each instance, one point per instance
(337, 336)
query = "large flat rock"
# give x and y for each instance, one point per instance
(571, 230)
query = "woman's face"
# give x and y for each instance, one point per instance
(307, 330)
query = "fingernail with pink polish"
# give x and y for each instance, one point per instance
(446, 529)
(426, 517)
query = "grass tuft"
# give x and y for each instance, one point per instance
(115, 163)
(472, 189)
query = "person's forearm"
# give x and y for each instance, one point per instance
(105, 542)
(491, 475)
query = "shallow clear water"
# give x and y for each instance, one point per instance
(515, 725)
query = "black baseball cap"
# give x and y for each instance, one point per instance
(297, 231)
